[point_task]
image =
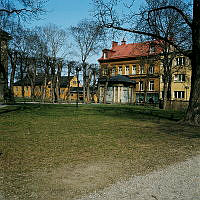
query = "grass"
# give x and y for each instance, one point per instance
(62, 152)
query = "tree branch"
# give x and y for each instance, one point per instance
(177, 10)
(147, 34)
(15, 11)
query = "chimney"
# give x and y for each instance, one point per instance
(123, 42)
(114, 44)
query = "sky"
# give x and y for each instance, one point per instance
(66, 13)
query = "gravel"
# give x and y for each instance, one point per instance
(176, 182)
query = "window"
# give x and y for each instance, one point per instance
(141, 69)
(105, 55)
(180, 61)
(152, 48)
(113, 71)
(134, 69)
(151, 85)
(141, 86)
(127, 70)
(74, 82)
(120, 70)
(179, 77)
(105, 71)
(179, 94)
(151, 69)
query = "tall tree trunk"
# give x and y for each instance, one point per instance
(193, 111)
(13, 60)
(84, 82)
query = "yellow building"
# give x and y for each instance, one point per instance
(181, 79)
(139, 63)
(42, 90)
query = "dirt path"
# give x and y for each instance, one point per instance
(177, 182)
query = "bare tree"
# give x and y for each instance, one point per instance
(106, 14)
(88, 37)
(71, 68)
(16, 10)
(55, 39)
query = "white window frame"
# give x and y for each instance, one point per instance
(151, 69)
(134, 69)
(151, 85)
(141, 86)
(105, 55)
(179, 77)
(141, 69)
(127, 70)
(113, 71)
(179, 94)
(120, 70)
(180, 61)
(105, 71)
(152, 48)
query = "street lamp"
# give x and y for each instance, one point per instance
(78, 69)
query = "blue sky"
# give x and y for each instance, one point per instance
(66, 13)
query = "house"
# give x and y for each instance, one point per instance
(44, 90)
(139, 64)
(181, 79)
(4, 39)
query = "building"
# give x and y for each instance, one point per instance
(43, 90)
(4, 38)
(181, 79)
(141, 65)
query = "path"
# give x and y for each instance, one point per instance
(177, 182)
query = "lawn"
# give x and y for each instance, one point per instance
(62, 152)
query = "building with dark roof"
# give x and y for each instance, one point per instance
(43, 87)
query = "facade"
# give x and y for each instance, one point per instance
(181, 79)
(116, 89)
(41, 89)
(141, 63)
(4, 38)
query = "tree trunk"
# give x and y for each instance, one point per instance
(193, 111)
(165, 93)
(13, 60)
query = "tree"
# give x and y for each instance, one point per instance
(12, 10)
(57, 49)
(71, 68)
(88, 37)
(107, 15)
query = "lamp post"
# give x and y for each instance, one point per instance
(78, 69)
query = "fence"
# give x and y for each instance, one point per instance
(177, 105)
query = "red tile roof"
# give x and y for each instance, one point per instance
(131, 50)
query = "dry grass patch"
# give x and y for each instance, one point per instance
(61, 152)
